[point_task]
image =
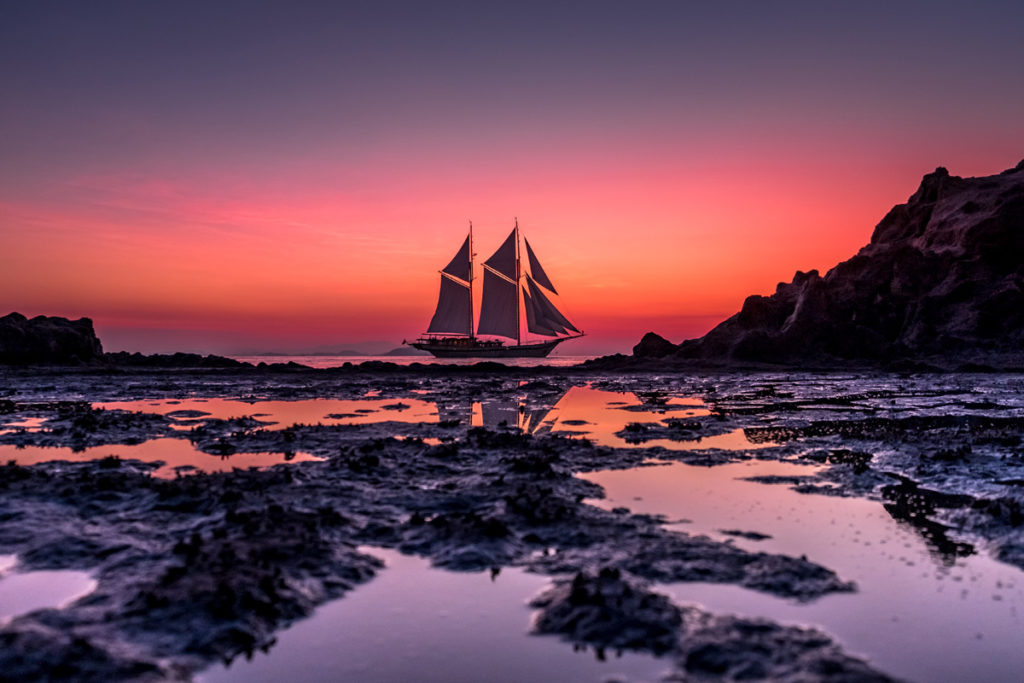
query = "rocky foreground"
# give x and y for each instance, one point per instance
(940, 284)
(206, 567)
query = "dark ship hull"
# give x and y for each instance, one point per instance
(463, 347)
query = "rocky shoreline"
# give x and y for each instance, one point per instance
(939, 287)
(206, 567)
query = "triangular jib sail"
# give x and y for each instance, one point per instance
(535, 270)
(546, 319)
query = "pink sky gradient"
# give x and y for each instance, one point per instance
(254, 195)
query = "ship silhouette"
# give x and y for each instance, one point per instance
(510, 291)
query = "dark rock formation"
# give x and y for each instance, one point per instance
(45, 339)
(654, 346)
(942, 281)
(172, 360)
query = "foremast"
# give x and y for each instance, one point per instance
(471, 280)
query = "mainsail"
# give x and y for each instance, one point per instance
(454, 313)
(499, 310)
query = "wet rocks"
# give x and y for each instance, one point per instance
(79, 425)
(207, 567)
(666, 557)
(749, 535)
(36, 652)
(199, 568)
(732, 649)
(609, 609)
(45, 339)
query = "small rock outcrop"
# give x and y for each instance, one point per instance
(941, 282)
(46, 339)
(654, 346)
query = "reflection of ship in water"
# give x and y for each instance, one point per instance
(522, 410)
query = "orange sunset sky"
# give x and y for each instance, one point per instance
(236, 178)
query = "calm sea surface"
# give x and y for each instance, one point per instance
(338, 361)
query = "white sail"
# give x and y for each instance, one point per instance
(545, 312)
(498, 314)
(454, 307)
(535, 269)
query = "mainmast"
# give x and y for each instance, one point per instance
(471, 280)
(519, 298)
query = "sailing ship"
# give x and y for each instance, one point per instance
(509, 292)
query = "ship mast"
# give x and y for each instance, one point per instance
(519, 298)
(471, 280)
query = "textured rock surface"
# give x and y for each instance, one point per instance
(941, 280)
(45, 339)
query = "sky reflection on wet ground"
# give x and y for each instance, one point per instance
(24, 592)
(917, 613)
(417, 623)
(580, 411)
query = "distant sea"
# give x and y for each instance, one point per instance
(338, 361)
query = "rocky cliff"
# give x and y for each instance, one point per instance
(45, 339)
(942, 280)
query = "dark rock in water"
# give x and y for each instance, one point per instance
(41, 653)
(611, 609)
(173, 360)
(942, 279)
(654, 346)
(46, 339)
(735, 648)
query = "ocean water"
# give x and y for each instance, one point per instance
(338, 361)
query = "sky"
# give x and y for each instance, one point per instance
(237, 177)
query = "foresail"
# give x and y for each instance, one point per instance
(459, 265)
(545, 313)
(535, 320)
(453, 308)
(504, 260)
(535, 268)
